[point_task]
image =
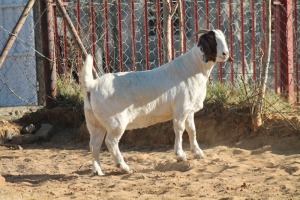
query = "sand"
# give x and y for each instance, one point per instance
(42, 172)
(252, 166)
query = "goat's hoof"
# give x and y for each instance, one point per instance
(198, 154)
(127, 171)
(181, 158)
(98, 173)
(124, 168)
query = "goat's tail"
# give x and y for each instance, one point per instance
(86, 77)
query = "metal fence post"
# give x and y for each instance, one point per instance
(49, 52)
(296, 36)
(286, 49)
(39, 58)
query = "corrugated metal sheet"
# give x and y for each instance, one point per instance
(18, 85)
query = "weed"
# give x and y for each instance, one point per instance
(69, 92)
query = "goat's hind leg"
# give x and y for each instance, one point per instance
(96, 140)
(97, 134)
(112, 143)
(190, 127)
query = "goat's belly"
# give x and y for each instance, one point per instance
(142, 121)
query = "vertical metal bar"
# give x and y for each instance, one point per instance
(296, 50)
(172, 33)
(275, 50)
(219, 27)
(207, 13)
(106, 36)
(92, 16)
(286, 49)
(133, 37)
(39, 58)
(184, 25)
(253, 39)
(146, 34)
(196, 26)
(159, 36)
(242, 38)
(231, 41)
(61, 69)
(120, 35)
(78, 31)
(49, 52)
(65, 46)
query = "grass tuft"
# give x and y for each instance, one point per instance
(69, 92)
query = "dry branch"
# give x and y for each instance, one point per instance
(257, 120)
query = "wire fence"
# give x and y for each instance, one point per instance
(127, 36)
(18, 77)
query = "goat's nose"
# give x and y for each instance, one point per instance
(224, 53)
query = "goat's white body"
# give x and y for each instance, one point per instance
(140, 99)
(130, 100)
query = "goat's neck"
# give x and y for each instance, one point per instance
(198, 65)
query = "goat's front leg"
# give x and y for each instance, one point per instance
(112, 143)
(190, 127)
(178, 129)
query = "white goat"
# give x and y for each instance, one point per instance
(117, 102)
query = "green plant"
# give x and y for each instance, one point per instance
(245, 95)
(69, 92)
(218, 93)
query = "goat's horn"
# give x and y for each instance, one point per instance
(200, 31)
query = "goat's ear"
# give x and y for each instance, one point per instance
(204, 46)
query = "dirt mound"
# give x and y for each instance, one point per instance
(215, 125)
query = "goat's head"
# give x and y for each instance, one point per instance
(213, 45)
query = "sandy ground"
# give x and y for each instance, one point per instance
(261, 166)
(52, 171)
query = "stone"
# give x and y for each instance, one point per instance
(30, 129)
(44, 131)
(43, 134)
(9, 134)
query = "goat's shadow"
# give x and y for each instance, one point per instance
(36, 179)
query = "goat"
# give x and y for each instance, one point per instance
(116, 102)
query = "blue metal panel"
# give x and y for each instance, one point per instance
(18, 85)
